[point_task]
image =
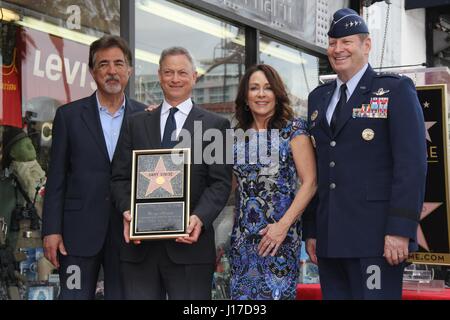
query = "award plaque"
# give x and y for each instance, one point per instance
(160, 194)
(433, 234)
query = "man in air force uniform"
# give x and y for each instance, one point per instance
(368, 131)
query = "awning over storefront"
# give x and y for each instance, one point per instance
(415, 4)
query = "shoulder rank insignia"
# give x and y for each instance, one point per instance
(381, 92)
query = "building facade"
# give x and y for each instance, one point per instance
(45, 45)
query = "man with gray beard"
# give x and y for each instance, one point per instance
(80, 227)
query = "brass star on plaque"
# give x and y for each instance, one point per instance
(160, 178)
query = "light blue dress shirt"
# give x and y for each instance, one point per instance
(111, 124)
(351, 86)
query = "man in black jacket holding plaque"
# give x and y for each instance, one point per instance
(180, 269)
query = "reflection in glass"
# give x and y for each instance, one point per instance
(96, 17)
(299, 70)
(43, 56)
(217, 47)
(48, 49)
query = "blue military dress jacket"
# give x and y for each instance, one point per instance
(371, 169)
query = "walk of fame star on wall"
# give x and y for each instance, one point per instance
(428, 208)
(428, 125)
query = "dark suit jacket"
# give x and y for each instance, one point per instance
(210, 184)
(367, 188)
(77, 201)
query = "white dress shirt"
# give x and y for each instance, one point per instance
(181, 115)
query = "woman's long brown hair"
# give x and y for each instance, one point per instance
(283, 110)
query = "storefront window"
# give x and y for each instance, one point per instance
(217, 47)
(92, 17)
(44, 56)
(49, 45)
(299, 70)
(307, 20)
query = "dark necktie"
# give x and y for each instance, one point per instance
(339, 106)
(170, 127)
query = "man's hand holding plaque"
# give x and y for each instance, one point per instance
(126, 228)
(194, 229)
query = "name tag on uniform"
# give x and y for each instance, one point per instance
(377, 109)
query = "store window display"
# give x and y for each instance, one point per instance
(27, 180)
(44, 48)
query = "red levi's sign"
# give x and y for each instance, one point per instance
(55, 68)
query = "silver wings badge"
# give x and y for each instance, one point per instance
(381, 92)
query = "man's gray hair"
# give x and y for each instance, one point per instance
(175, 51)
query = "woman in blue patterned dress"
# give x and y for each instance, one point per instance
(268, 165)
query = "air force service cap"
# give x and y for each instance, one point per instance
(347, 22)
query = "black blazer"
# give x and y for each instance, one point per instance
(210, 184)
(77, 201)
